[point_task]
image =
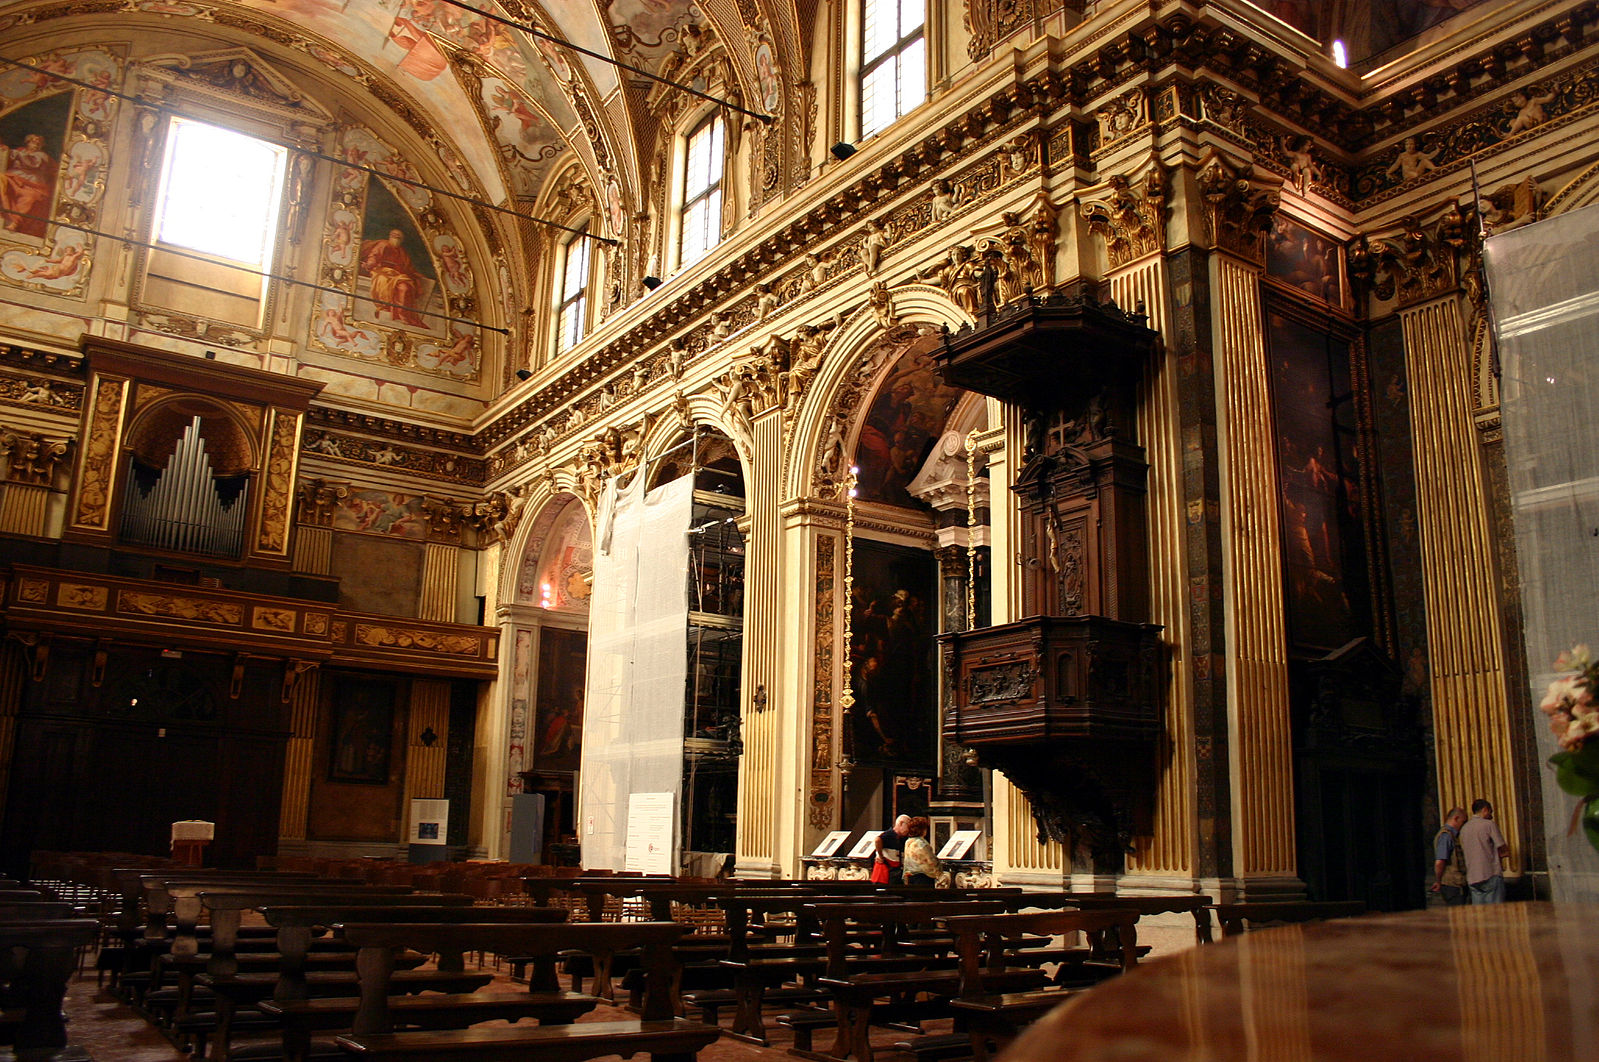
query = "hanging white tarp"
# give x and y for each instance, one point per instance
(1543, 283)
(638, 633)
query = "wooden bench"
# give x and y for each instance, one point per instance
(302, 1009)
(665, 1037)
(36, 960)
(1233, 916)
(235, 983)
(982, 944)
(187, 901)
(870, 990)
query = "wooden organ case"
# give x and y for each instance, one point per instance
(1066, 702)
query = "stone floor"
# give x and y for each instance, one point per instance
(111, 1031)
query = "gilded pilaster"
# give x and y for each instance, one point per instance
(1465, 655)
(31, 461)
(763, 790)
(13, 678)
(1257, 664)
(298, 756)
(1171, 848)
(441, 561)
(102, 431)
(313, 538)
(429, 731)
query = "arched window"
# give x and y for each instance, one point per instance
(701, 210)
(571, 311)
(893, 61)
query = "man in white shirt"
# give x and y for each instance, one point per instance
(1484, 846)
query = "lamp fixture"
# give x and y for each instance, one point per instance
(843, 150)
(652, 282)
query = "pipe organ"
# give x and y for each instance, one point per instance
(185, 506)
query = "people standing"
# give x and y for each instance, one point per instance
(1484, 846)
(921, 865)
(889, 846)
(1449, 860)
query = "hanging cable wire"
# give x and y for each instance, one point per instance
(139, 101)
(534, 31)
(167, 249)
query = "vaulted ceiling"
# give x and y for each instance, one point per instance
(509, 105)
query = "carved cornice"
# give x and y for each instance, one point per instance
(1239, 202)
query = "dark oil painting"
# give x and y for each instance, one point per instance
(1324, 553)
(903, 422)
(892, 656)
(363, 732)
(558, 726)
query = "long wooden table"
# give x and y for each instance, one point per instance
(1501, 981)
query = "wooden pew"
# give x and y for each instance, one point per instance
(981, 944)
(858, 984)
(303, 1005)
(666, 1037)
(182, 953)
(200, 973)
(36, 960)
(1233, 916)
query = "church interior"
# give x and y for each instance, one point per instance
(540, 432)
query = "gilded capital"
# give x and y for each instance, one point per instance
(31, 458)
(1129, 213)
(1239, 203)
(318, 498)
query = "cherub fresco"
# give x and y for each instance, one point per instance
(58, 268)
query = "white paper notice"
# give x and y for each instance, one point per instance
(650, 818)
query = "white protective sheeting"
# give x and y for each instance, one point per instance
(1543, 282)
(638, 661)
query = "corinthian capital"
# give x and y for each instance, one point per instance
(1239, 203)
(1129, 213)
(31, 458)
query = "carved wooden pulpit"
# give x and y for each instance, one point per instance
(1066, 702)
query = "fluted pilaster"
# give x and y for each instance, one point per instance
(13, 679)
(440, 575)
(428, 741)
(1016, 833)
(313, 550)
(1172, 846)
(761, 789)
(298, 757)
(24, 509)
(1465, 655)
(1257, 659)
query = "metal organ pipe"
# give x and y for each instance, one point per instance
(183, 510)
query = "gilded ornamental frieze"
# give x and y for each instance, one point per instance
(75, 604)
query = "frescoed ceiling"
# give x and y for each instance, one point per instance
(509, 106)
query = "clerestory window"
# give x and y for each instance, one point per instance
(893, 61)
(701, 213)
